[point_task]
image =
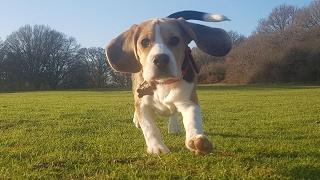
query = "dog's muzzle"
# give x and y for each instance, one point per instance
(161, 61)
(162, 67)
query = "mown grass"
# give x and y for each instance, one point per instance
(260, 132)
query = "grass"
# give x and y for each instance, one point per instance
(260, 132)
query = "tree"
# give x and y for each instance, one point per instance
(309, 17)
(1, 53)
(60, 59)
(97, 68)
(236, 38)
(120, 80)
(77, 76)
(314, 16)
(2, 74)
(280, 19)
(38, 56)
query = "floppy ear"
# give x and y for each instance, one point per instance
(213, 41)
(121, 52)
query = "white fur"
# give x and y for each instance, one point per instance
(215, 18)
(191, 119)
(159, 47)
(150, 131)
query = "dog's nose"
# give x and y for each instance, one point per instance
(161, 60)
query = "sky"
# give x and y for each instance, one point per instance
(95, 22)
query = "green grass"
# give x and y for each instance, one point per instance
(260, 132)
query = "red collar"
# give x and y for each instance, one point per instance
(167, 82)
(184, 70)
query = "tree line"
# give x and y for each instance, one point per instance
(285, 48)
(38, 57)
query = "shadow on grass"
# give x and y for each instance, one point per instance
(15, 124)
(305, 172)
(220, 87)
(237, 136)
(291, 155)
(255, 136)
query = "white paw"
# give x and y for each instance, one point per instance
(157, 149)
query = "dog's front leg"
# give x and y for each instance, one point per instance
(196, 141)
(150, 130)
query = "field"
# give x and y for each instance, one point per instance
(260, 132)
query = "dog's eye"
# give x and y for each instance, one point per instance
(145, 42)
(173, 41)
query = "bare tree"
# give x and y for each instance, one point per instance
(59, 59)
(121, 80)
(77, 76)
(281, 18)
(309, 17)
(99, 71)
(1, 52)
(2, 73)
(236, 38)
(39, 56)
(315, 13)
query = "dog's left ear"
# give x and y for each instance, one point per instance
(121, 52)
(213, 41)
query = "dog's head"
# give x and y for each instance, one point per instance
(157, 47)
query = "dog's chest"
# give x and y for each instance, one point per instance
(165, 97)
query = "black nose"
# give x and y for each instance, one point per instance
(161, 60)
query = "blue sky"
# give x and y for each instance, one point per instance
(96, 22)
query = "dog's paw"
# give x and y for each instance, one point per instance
(158, 149)
(200, 145)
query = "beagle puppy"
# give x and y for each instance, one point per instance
(164, 78)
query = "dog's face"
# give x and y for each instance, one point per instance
(157, 47)
(160, 49)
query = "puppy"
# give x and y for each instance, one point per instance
(164, 78)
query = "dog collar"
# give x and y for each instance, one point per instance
(167, 82)
(171, 81)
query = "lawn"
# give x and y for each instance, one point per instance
(260, 132)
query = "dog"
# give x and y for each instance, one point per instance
(163, 77)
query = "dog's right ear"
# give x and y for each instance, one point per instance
(121, 52)
(213, 41)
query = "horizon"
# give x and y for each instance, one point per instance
(93, 24)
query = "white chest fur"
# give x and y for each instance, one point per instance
(166, 95)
